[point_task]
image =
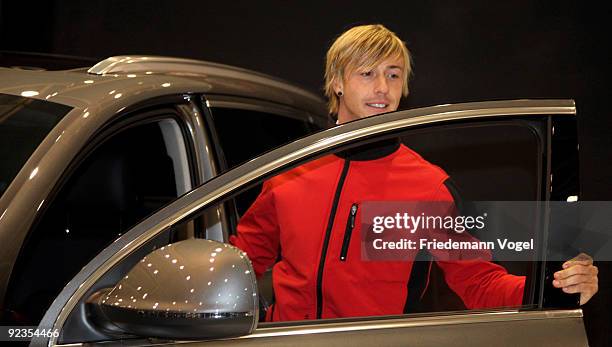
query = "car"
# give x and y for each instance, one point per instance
(87, 153)
(174, 278)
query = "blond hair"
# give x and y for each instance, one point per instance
(362, 46)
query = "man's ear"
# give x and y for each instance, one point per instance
(338, 86)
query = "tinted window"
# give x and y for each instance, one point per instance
(120, 183)
(24, 123)
(245, 134)
(488, 160)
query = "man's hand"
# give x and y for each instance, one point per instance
(579, 275)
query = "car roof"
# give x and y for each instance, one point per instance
(131, 76)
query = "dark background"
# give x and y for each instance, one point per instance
(462, 50)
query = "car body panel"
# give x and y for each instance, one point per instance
(559, 328)
(81, 89)
(270, 163)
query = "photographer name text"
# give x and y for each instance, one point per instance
(450, 244)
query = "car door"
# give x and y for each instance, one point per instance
(129, 169)
(494, 150)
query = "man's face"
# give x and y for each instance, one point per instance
(367, 92)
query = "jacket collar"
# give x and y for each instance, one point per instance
(371, 151)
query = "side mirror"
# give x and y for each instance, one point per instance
(191, 289)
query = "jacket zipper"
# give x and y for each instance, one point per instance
(350, 225)
(330, 225)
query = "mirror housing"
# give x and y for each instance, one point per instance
(192, 289)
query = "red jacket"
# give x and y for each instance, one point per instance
(303, 213)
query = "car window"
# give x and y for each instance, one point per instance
(508, 153)
(485, 161)
(245, 134)
(119, 183)
(24, 123)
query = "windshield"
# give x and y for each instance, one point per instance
(24, 123)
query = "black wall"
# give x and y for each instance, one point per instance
(463, 51)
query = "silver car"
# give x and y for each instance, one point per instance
(174, 279)
(85, 154)
(91, 155)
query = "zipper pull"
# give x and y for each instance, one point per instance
(352, 215)
(350, 224)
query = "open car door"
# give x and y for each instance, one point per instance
(494, 151)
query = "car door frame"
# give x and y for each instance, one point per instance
(279, 159)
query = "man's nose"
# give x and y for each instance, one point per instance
(381, 85)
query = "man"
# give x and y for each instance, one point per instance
(309, 212)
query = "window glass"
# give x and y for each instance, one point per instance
(245, 134)
(489, 161)
(125, 179)
(305, 224)
(24, 123)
